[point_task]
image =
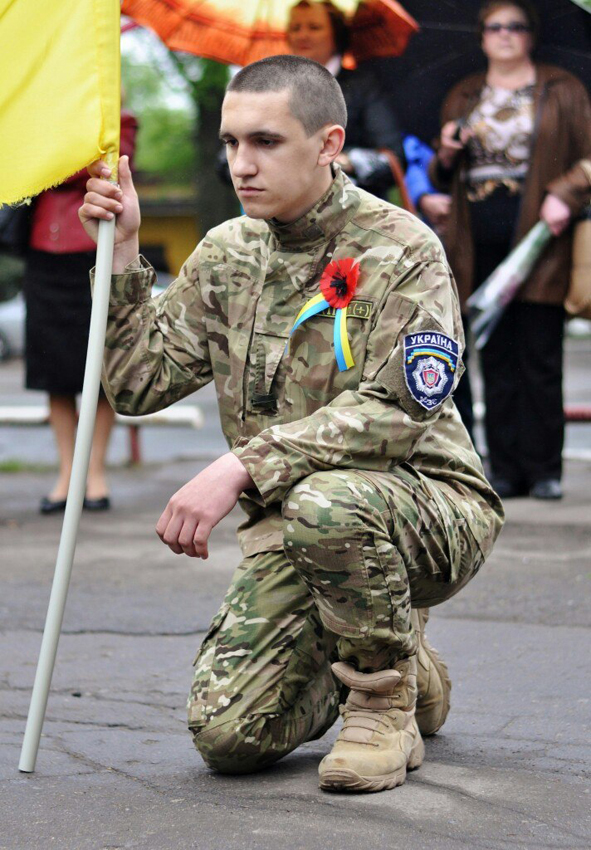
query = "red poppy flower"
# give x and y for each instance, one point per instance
(338, 282)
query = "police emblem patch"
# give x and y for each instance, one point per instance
(430, 364)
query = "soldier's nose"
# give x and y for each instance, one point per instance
(244, 166)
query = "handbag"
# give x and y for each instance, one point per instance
(578, 298)
(15, 227)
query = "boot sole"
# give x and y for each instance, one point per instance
(351, 782)
(348, 781)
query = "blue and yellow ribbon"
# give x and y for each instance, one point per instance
(342, 349)
(315, 305)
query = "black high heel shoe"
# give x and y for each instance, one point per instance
(49, 506)
(102, 504)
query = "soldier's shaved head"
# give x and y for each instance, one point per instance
(315, 99)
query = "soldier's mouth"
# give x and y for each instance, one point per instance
(248, 191)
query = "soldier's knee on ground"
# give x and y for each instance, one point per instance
(242, 745)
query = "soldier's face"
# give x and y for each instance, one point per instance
(277, 170)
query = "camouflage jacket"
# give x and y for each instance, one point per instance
(286, 410)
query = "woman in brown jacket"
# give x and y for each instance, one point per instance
(510, 146)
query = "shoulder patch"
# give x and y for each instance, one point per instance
(430, 364)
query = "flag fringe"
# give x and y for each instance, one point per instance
(44, 186)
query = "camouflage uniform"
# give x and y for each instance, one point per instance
(365, 499)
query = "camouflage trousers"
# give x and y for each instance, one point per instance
(359, 548)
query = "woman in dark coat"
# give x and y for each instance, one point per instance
(510, 151)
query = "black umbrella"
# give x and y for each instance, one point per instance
(447, 48)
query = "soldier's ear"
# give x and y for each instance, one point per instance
(332, 139)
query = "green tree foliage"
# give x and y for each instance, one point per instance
(166, 115)
(165, 146)
(207, 81)
(177, 98)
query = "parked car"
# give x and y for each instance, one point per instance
(12, 327)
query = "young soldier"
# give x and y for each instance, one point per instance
(361, 488)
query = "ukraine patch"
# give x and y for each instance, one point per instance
(430, 364)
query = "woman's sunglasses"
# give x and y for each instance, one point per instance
(513, 27)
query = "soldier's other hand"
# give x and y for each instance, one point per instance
(195, 509)
(104, 200)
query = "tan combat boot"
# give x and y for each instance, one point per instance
(433, 682)
(380, 739)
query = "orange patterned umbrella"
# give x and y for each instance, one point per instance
(241, 31)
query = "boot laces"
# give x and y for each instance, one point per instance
(376, 720)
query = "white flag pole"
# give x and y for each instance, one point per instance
(76, 491)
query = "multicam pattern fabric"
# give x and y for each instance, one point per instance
(263, 682)
(384, 502)
(287, 411)
(359, 548)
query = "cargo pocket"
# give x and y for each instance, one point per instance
(465, 555)
(264, 389)
(449, 555)
(203, 664)
(338, 579)
(313, 375)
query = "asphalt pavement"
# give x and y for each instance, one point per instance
(116, 769)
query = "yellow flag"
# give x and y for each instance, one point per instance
(60, 89)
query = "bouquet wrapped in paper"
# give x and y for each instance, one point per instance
(487, 304)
